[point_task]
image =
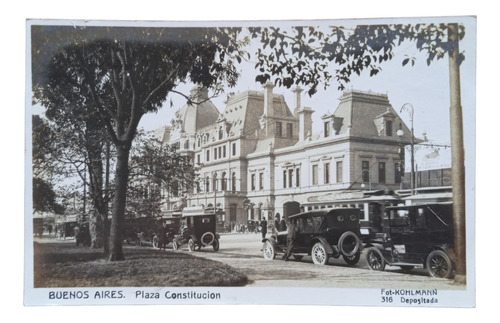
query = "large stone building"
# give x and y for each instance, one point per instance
(259, 157)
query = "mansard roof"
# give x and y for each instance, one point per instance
(243, 111)
(359, 111)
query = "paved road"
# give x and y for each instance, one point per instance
(242, 251)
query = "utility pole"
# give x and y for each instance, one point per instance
(457, 157)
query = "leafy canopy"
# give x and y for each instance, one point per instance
(310, 56)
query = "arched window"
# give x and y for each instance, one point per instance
(215, 182)
(224, 182)
(207, 184)
(233, 182)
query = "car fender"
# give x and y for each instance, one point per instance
(270, 239)
(374, 245)
(273, 242)
(331, 250)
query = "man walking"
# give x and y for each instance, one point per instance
(263, 226)
(290, 238)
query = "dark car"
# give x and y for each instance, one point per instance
(197, 230)
(168, 228)
(140, 231)
(321, 234)
(415, 236)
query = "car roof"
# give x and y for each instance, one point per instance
(414, 206)
(321, 212)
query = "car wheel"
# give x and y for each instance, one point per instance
(216, 245)
(191, 245)
(319, 254)
(348, 244)
(352, 260)
(175, 245)
(375, 260)
(268, 251)
(439, 264)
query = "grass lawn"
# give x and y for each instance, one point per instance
(65, 265)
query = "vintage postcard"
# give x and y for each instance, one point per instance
(322, 162)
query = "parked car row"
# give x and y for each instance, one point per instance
(194, 228)
(412, 236)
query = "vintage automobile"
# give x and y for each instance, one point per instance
(198, 229)
(140, 231)
(321, 234)
(168, 228)
(415, 236)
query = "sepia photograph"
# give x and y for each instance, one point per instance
(267, 162)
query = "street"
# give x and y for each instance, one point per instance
(242, 251)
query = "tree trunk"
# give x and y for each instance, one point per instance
(116, 239)
(99, 212)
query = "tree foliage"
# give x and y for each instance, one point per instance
(122, 73)
(45, 198)
(314, 56)
(156, 170)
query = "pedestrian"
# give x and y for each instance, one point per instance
(276, 223)
(290, 239)
(282, 225)
(263, 226)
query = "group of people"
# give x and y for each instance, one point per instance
(279, 226)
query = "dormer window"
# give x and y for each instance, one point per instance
(279, 129)
(388, 128)
(385, 123)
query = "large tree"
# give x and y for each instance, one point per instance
(123, 73)
(77, 146)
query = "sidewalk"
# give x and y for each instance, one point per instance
(51, 238)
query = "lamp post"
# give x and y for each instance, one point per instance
(408, 107)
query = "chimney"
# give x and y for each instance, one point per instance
(268, 99)
(305, 123)
(298, 103)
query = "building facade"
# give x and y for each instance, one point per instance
(260, 158)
